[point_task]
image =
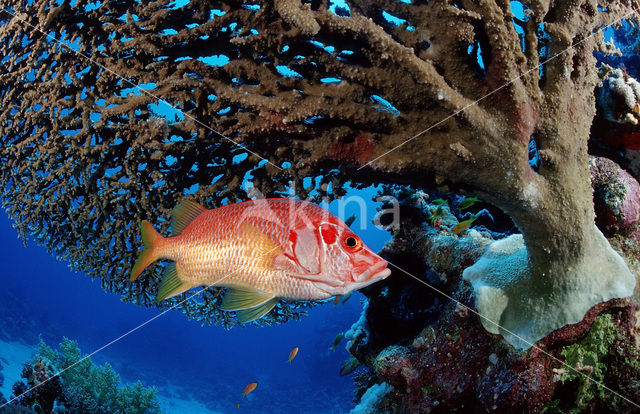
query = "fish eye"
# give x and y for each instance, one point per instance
(353, 243)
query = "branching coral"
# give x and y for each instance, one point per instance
(84, 159)
(83, 387)
(44, 394)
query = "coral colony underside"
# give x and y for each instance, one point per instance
(114, 112)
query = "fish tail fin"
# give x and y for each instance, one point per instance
(151, 239)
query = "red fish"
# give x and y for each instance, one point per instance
(262, 250)
(248, 389)
(293, 354)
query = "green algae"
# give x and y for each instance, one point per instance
(589, 359)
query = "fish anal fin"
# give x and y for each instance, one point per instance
(257, 312)
(171, 285)
(183, 214)
(239, 299)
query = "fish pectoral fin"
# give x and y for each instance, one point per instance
(262, 247)
(257, 312)
(171, 285)
(286, 263)
(240, 299)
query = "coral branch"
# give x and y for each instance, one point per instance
(449, 92)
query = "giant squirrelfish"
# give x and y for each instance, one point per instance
(262, 250)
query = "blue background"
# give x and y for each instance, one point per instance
(42, 297)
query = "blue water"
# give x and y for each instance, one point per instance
(42, 298)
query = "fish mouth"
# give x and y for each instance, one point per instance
(373, 273)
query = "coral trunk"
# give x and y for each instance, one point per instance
(530, 284)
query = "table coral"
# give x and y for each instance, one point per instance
(448, 94)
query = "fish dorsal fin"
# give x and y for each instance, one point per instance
(183, 214)
(238, 299)
(171, 285)
(257, 312)
(263, 249)
(350, 220)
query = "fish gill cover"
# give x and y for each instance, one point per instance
(91, 148)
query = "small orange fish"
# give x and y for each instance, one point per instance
(248, 389)
(237, 405)
(336, 300)
(262, 251)
(462, 226)
(293, 354)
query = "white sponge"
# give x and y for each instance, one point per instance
(524, 305)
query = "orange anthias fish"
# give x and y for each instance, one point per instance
(262, 250)
(249, 388)
(293, 354)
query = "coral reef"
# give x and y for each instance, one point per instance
(451, 363)
(42, 397)
(373, 400)
(618, 98)
(615, 129)
(80, 386)
(616, 198)
(588, 356)
(319, 93)
(621, 51)
(522, 307)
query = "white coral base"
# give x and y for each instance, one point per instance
(524, 307)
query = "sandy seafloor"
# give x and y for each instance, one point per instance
(196, 369)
